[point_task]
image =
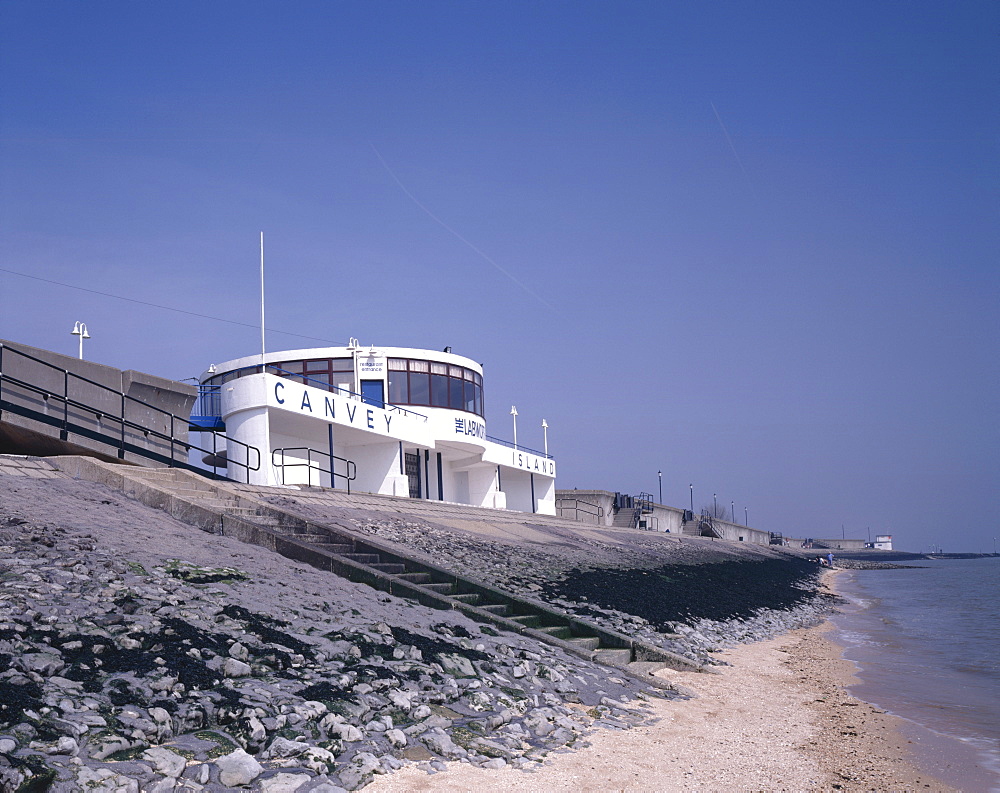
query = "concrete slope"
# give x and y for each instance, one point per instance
(242, 512)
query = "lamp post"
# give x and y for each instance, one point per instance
(545, 435)
(660, 475)
(715, 506)
(692, 498)
(80, 329)
(746, 517)
(513, 412)
(732, 510)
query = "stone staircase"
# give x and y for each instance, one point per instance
(232, 510)
(624, 519)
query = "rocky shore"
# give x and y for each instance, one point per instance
(138, 653)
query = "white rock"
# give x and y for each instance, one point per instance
(282, 747)
(346, 732)
(396, 737)
(235, 668)
(310, 709)
(238, 768)
(165, 762)
(239, 652)
(7, 745)
(257, 731)
(67, 745)
(284, 783)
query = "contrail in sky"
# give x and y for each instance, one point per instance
(448, 228)
(729, 140)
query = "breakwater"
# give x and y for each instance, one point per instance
(138, 653)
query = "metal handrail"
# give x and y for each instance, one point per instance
(519, 447)
(579, 506)
(100, 415)
(350, 476)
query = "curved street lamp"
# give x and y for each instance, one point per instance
(80, 329)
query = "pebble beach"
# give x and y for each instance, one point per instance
(138, 653)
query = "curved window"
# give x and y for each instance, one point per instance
(432, 384)
(411, 382)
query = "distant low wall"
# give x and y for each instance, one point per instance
(90, 422)
(738, 533)
(826, 544)
(596, 507)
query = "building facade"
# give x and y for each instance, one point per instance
(390, 420)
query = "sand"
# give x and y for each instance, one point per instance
(777, 718)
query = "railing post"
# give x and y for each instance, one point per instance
(172, 439)
(64, 435)
(121, 451)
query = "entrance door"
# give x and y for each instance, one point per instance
(372, 392)
(412, 464)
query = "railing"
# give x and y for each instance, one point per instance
(270, 368)
(350, 476)
(66, 426)
(706, 521)
(519, 447)
(207, 413)
(577, 506)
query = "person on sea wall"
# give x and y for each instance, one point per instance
(829, 559)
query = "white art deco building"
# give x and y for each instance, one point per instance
(390, 420)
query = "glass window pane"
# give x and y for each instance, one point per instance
(479, 400)
(342, 364)
(420, 388)
(439, 390)
(318, 366)
(456, 397)
(455, 371)
(399, 394)
(419, 366)
(343, 381)
(470, 396)
(397, 364)
(439, 368)
(318, 380)
(290, 366)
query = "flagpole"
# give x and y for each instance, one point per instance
(262, 301)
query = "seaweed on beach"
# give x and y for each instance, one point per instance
(685, 593)
(263, 627)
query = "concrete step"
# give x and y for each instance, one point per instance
(528, 620)
(586, 642)
(614, 656)
(470, 598)
(444, 588)
(317, 539)
(416, 578)
(365, 558)
(391, 568)
(557, 631)
(500, 609)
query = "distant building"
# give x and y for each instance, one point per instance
(393, 420)
(883, 542)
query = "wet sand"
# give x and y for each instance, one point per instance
(778, 717)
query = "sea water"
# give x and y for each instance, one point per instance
(926, 642)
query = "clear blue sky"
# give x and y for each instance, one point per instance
(752, 245)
